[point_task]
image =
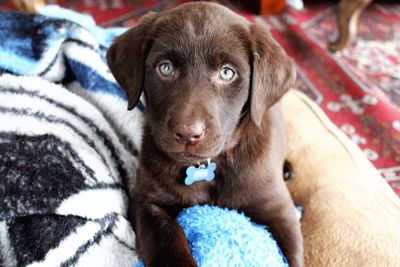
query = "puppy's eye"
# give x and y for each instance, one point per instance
(166, 69)
(226, 74)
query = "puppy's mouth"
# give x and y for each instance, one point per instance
(188, 154)
(187, 157)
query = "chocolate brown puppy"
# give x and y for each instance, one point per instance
(211, 82)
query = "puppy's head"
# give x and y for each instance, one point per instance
(201, 67)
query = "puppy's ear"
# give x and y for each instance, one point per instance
(273, 72)
(127, 55)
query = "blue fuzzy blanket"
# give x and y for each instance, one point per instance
(68, 156)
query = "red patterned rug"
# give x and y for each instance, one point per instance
(358, 88)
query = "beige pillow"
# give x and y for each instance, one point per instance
(351, 215)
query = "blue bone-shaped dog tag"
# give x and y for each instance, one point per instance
(202, 173)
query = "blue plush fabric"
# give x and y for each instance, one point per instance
(226, 238)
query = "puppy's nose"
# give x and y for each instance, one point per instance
(189, 134)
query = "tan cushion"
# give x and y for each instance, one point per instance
(351, 217)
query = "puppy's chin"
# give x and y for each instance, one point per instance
(187, 158)
(190, 154)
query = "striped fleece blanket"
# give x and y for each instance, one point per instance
(67, 155)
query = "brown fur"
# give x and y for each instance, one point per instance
(242, 128)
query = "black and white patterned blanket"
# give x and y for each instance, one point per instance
(67, 155)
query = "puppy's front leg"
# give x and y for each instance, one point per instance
(161, 242)
(280, 217)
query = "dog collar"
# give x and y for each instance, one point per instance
(204, 172)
